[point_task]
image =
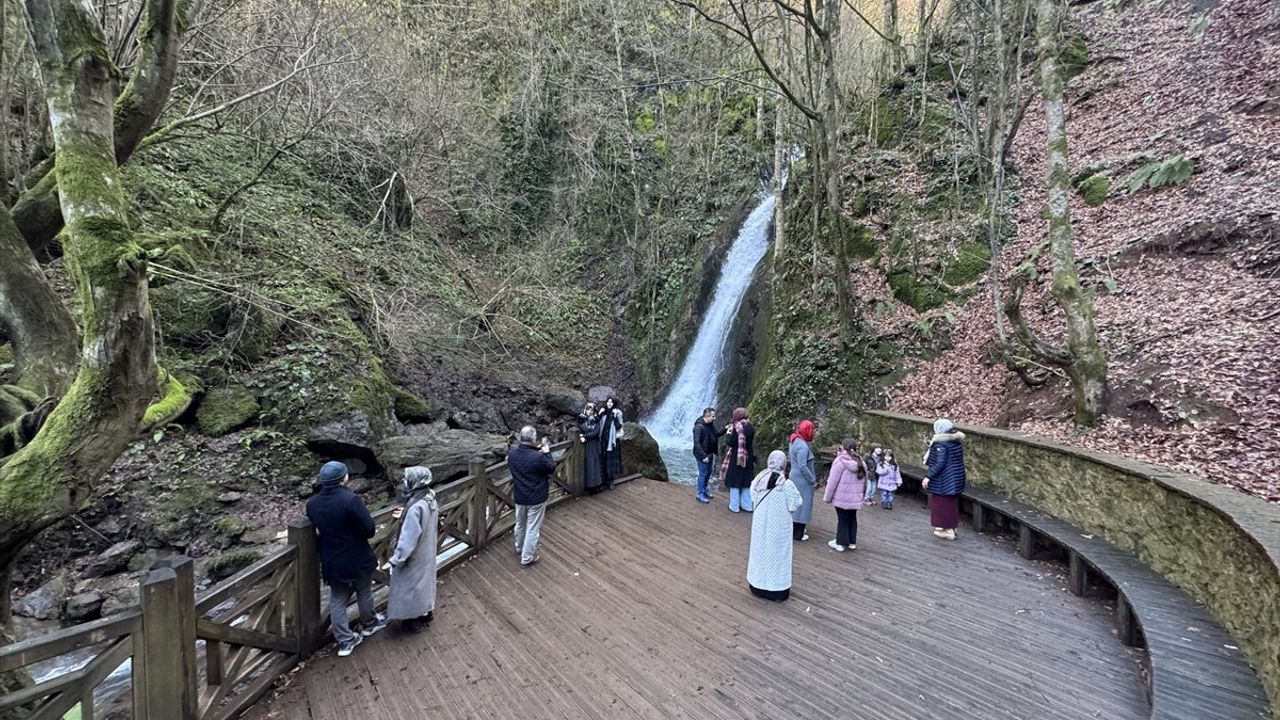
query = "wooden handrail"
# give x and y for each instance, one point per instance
(275, 617)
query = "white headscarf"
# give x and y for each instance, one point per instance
(777, 463)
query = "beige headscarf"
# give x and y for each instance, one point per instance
(777, 464)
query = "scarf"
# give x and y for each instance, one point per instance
(804, 431)
(613, 430)
(777, 463)
(741, 455)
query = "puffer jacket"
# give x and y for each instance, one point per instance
(846, 483)
(946, 464)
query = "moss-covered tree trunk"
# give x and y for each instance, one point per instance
(41, 330)
(102, 410)
(1083, 359)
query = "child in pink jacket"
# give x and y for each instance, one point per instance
(846, 485)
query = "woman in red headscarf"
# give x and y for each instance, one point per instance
(804, 475)
(739, 467)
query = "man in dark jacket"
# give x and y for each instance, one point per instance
(531, 468)
(346, 560)
(705, 443)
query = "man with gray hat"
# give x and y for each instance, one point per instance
(346, 560)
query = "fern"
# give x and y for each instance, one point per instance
(1173, 170)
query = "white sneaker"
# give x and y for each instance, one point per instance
(379, 622)
(345, 648)
(835, 546)
(804, 537)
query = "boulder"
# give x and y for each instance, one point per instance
(410, 408)
(348, 435)
(599, 393)
(640, 453)
(445, 450)
(43, 602)
(226, 409)
(113, 559)
(230, 498)
(562, 400)
(83, 606)
(120, 600)
(228, 564)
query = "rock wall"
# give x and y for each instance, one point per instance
(1220, 545)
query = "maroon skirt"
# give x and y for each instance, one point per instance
(944, 511)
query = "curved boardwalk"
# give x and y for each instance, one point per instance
(639, 608)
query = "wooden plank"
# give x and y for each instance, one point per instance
(166, 690)
(66, 640)
(244, 579)
(1026, 541)
(1077, 574)
(306, 581)
(245, 637)
(88, 678)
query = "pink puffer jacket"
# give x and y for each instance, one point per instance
(847, 482)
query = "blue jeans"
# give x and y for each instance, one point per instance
(871, 490)
(886, 497)
(704, 474)
(740, 498)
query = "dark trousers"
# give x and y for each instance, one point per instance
(797, 530)
(846, 527)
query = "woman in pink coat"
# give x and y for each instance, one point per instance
(845, 487)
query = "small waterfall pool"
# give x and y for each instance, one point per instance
(695, 387)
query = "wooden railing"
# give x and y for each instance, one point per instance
(210, 658)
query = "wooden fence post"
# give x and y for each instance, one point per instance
(479, 520)
(577, 470)
(162, 686)
(310, 626)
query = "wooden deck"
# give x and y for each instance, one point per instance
(640, 609)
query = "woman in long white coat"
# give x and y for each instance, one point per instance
(775, 498)
(413, 564)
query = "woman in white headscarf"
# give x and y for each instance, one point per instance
(774, 498)
(413, 564)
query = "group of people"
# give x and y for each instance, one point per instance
(344, 526)
(781, 497)
(600, 432)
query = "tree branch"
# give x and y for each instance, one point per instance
(1044, 351)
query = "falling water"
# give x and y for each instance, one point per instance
(695, 386)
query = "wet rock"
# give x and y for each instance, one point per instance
(230, 498)
(226, 409)
(640, 454)
(360, 485)
(43, 602)
(465, 420)
(445, 450)
(111, 526)
(83, 606)
(113, 559)
(143, 560)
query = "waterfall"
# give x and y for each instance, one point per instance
(695, 386)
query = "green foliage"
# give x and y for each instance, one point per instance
(1074, 55)
(1198, 26)
(1173, 170)
(920, 293)
(1094, 189)
(410, 408)
(860, 242)
(970, 262)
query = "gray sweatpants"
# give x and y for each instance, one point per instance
(340, 597)
(528, 530)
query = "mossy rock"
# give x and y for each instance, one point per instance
(228, 564)
(860, 242)
(6, 354)
(410, 408)
(1075, 55)
(920, 293)
(1094, 189)
(226, 409)
(188, 316)
(970, 262)
(229, 527)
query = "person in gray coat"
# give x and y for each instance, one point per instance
(413, 564)
(804, 475)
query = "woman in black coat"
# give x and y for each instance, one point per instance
(589, 436)
(611, 441)
(739, 467)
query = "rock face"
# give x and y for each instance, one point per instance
(113, 559)
(640, 454)
(443, 449)
(83, 606)
(43, 603)
(348, 436)
(226, 409)
(599, 393)
(563, 400)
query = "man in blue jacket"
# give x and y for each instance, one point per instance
(531, 468)
(346, 560)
